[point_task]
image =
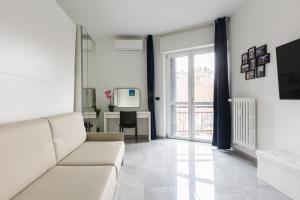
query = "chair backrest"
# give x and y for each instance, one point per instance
(128, 118)
(26, 152)
(68, 133)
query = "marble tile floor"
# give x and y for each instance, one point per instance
(182, 170)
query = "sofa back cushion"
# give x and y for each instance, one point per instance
(68, 133)
(26, 152)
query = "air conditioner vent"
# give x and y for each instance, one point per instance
(129, 45)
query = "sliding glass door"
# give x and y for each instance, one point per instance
(191, 103)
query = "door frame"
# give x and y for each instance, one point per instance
(191, 103)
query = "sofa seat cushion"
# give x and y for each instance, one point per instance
(73, 183)
(96, 154)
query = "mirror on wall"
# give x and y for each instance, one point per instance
(88, 55)
(88, 70)
(89, 99)
(127, 97)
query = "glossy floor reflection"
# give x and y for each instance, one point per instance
(182, 170)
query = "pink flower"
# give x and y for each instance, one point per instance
(108, 94)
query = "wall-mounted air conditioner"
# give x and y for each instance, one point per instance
(129, 45)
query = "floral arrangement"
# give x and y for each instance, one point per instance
(108, 95)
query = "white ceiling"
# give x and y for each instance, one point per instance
(142, 17)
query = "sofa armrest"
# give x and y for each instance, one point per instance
(100, 136)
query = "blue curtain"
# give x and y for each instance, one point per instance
(222, 115)
(150, 84)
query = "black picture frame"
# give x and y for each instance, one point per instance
(245, 68)
(261, 71)
(252, 64)
(245, 59)
(263, 59)
(252, 53)
(262, 50)
(250, 75)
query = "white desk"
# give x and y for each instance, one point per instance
(91, 119)
(140, 115)
(89, 115)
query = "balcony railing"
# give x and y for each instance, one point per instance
(203, 121)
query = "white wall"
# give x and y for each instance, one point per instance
(36, 59)
(273, 23)
(117, 69)
(129, 69)
(187, 39)
(170, 43)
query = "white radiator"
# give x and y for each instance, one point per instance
(244, 125)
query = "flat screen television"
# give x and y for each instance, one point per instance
(288, 65)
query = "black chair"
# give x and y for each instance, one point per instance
(128, 120)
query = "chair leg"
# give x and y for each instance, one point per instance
(136, 136)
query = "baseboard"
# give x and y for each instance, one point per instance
(142, 137)
(132, 137)
(242, 153)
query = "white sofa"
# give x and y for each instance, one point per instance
(53, 158)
